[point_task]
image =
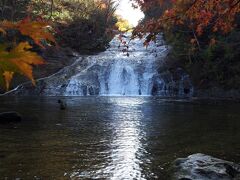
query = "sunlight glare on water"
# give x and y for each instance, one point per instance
(114, 138)
(126, 148)
(126, 143)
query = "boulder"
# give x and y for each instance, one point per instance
(203, 167)
(8, 117)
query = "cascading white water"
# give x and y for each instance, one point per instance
(140, 71)
(123, 80)
(114, 72)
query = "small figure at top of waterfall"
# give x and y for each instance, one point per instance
(62, 104)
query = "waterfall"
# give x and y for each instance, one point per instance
(123, 80)
(117, 73)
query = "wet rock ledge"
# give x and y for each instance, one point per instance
(203, 167)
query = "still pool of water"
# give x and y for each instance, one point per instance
(112, 137)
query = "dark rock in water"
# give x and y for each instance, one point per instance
(186, 90)
(7, 117)
(62, 104)
(204, 167)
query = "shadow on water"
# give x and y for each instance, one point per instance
(112, 137)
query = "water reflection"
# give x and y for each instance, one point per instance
(126, 146)
(112, 137)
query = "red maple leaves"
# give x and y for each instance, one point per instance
(198, 15)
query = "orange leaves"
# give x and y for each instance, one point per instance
(20, 59)
(37, 30)
(199, 15)
(25, 59)
(7, 25)
(218, 15)
(2, 31)
(101, 4)
(8, 77)
(205, 17)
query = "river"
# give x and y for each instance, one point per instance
(112, 137)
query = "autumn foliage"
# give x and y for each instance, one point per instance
(17, 57)
(204, 36)
(218, 16)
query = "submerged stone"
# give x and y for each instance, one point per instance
(62, 104)
(8, 117)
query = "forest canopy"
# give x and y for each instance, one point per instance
(204, 35)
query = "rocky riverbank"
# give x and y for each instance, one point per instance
(203, 167)
(203, 89)
(218, 93)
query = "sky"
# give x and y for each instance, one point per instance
(126, 10)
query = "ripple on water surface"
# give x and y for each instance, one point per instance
(112, 137)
